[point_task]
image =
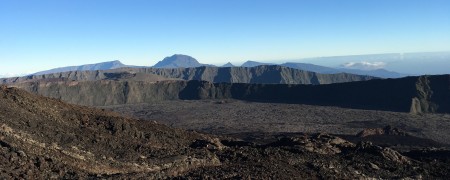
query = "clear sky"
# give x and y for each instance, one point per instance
(42, 34)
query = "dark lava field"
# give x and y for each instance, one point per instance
(234, 117)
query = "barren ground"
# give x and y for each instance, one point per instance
(43, 138)
(230, 117)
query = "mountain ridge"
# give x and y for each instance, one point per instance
(86, 67)
(308, 64)
(260, 74)
(417, 95)
(382, 73)
(251, 63)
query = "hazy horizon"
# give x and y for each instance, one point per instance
(336, 62)
(47, 34)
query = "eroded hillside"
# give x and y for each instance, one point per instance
(424, 94)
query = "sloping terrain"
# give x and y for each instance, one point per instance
(424, 94)
(88, 67)
(260, 74)
(117, 75)
(42, 138)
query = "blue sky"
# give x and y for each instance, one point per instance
(40, 34)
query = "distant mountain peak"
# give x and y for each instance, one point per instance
(178, 60)
(250, 63)
(228, 65)
(114, 64)
(115, 61)
(383, 73)
(111, 63)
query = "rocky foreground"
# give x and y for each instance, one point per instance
(43, 138)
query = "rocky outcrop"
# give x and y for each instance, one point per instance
(331, 145)
(319, 143)
(388, 130)
(422, 103)
(387, 153)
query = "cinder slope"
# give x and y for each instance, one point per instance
(44, 138)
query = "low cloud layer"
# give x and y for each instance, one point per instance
(364, 65)
(7, 75)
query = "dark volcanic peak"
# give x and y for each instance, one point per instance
(88, 67)
(178, 60)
